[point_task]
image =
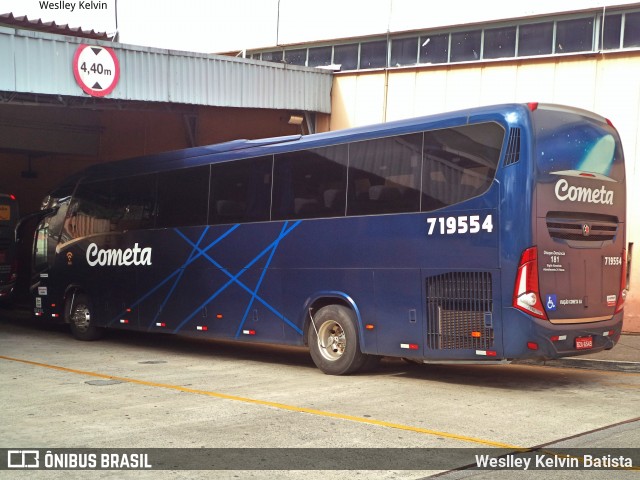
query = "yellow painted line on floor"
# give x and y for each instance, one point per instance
(281, 406)
(623, 385)
(586, 371)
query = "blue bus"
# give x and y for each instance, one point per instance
(9, 217)
(477, 236)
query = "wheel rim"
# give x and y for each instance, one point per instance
(332, 341)
(81, 317)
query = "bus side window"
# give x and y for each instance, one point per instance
(134, 202)
(310, 183)
(90, 212)
(183, 197)
(240, 191)
(459, 163)
(384, 175)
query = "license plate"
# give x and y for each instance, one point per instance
(584, 343)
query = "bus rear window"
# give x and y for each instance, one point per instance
(574, 144)
(459, 163)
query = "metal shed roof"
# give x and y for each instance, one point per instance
(41, 63)
(37, 24)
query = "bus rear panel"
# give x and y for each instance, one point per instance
(577, 255)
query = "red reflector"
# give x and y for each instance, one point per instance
(161, 324)
(202, 328)
(12, 196)
(414, 346)
(555, 338)
(487, 353)
(623, 282)
(532, 345)
(533, 106)
(128, 310)
(369, 326)
(53, 305)
(249, 332)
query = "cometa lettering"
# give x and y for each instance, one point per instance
(564, 191)
(118, 257)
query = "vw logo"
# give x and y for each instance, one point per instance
(586, 230)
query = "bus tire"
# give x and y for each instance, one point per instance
(80, 316)
(333, 341)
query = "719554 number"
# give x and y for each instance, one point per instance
(612, 261)
(460, 224)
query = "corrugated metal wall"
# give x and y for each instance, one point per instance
(41, 63)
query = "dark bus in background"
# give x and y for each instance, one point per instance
(477, 236)
(9, 216)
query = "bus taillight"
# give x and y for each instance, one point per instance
(623, 283)
(526, 294)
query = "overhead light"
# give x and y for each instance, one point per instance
(295, 120)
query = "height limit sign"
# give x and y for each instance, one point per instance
(96, 69)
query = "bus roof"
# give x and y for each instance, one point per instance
(235, 149)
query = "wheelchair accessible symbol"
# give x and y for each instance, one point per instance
(551, 303)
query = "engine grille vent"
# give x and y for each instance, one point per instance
(459, 308)
(582, 230)
(512, 154)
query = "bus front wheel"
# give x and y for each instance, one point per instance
(80, 319)
(333, 341)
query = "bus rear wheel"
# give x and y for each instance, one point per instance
(333, 341)
(80, 319)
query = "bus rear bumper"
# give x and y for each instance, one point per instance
(542, 340)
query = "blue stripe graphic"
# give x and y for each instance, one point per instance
(176, 272)
(177, 281)
(234, 278)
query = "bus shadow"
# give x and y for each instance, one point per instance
(502, 377)
(155, 346)
(214, 348)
